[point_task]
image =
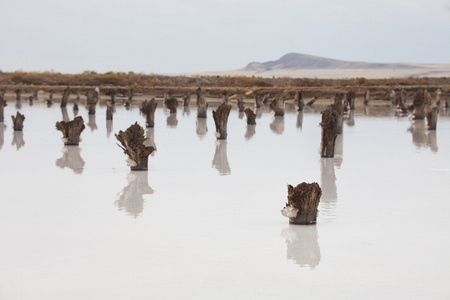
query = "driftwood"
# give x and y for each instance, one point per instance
(148, 110)
(311, 102)
(132, 141)
(329, 125)
(303, 203)
(432, 117)
(71, 131)
(109, 115)
(18, 121)
(350, 97)
(339, 107)
(221, 119)
(186, 100)
(202, 105)
(421, 103)
(18, 94)
(299, 100)
(240, 103)
(171, 104)
(277, 105)
(251, 117)
(2, 106)
(65, 97)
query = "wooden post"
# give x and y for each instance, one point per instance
(202, 105)
(432, 117)
(2, 106)
(366, 97)
(18, 94)
(71, 131)
(18, 121)
(91, 101)
(50, 98)
(148, 110)
(251, 117)
(329, 124)
(109, 115)
(258, 101)
(299, 100)
(132, 141)
(303, 203)
(277, 105)
(421, 104)
(351, 95)
(339, 107)
(221, 119)
(65, 97)
(240, 103)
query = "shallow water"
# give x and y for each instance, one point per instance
(204, 221)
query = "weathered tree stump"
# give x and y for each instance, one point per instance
(251, 117)
(50, 98)
(112, 94)
(132, 141)
(148, 110)
(91, 101)
(71, 131)
(30, 99)
(240, 103)
(265, 99)
(2, 107)
(221, 119)
(130, 95)
(339, 107)
(18, 121)
(299, 100)
(277, 105)
(393, 98)
(202, 107)
(225, 96)
(432, 117)
(421, 103)
(109, 115)
(351, 95)
(258, 101)
(18, 94)
(75, 107)
(366, 97)
(65, 97)
(171, 104)
(303, 203)
(329, 125)
(438, 97)
(186, 100)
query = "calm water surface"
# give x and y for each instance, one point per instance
(204, 221)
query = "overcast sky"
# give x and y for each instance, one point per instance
(178, 36)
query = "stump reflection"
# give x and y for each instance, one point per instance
(220, 161)
(302, 245)
(71, 159)
(201, 127)
(422, 137)
(18, 140)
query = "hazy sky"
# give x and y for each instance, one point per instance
(177, 36)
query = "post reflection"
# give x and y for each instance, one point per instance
(71, 159)
(302, 245)
(250, 132)
(150, 141)
(172, 120)
(18, 140)
(131, 198)
(350, 120)
(422, 137)
(300, 120)
(186, 111)
(109, 128)
(277, 125)
(220, 161)
(2, 134)
(201, 127)
(92, 123)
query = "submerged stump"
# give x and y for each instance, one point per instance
(303, 203)
(18, 121)
(171, 104)
(277, 105)
(221, 119)
(132, 141)
(421, 103)
(329, 125)
(432, 117)
(71, 131)
(251, 116)
(148, 110)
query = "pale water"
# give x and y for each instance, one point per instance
(204, 221)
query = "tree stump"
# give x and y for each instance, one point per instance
(258, 101)
(240, 104)
(303, 203)
(148, 109)
(351, 95)
(109, 115)
(131, 94)
(432, 117)
(2, 107)
(65, 97)
(299, 100)
(18, 94)
(171, 104)
(112, 94)
(265, 99)
(225, 96)
(339, 107)
(366, 97)
(71, 131)
(91, 101)
(251, 117)
(277, 105)
(18, 121)
(202, 107)
(329, 125)
(421, 103)
(221, 119)
(132, 141)
(186, 100)
(50, 98)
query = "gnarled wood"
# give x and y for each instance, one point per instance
(71, 130)
(18, 121)
(65, 97)
(329, 125)
(148, 110)
(303, 203)
(432, 117)
(221, 119)
(251, 116)
(132, 141)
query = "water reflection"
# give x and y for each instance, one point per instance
(302, 244)
(18, 140)
(277, 125)
(250, 132)
(131, 198)
(109, 128)
(422, 137)
(220, 161)
(91, 123)
(71, 159)
(2, 135)
(329, 197)
(300, 120)
(258, 112)
(186, 111)
(202, 127)
(241, 115)
(172, 120)
(18, 104)
(150, 141)
(350, 120)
